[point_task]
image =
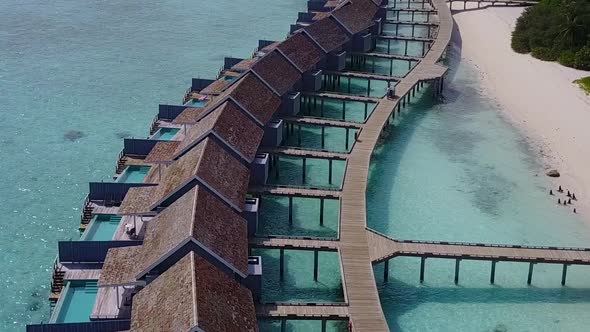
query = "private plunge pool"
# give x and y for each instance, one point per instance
(198, 103)
(165, 134)
(102, 227)
(133, 174)
(76, 302)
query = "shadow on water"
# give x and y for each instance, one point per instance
(406, 297)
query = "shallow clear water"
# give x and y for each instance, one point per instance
(457, 171)
(78, 302)
(76, 77)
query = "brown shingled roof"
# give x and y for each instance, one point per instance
(357, 15)
(193, 293)
(277, 71)
(162, 152)
(244, 65)
(230, 124)
(302, 51)
(138, 201)
(328, 34)
(254, 96)
(119, 267)
(190, 115)
(197, 215)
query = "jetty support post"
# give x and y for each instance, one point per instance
(457, 264)
(347, 139)
(290, 210)
(299, 135)
(564, 274)
(281, 263)
(422, 263)
(303, 167)
(315, 265)
(324, 324)
(386, 270)
(530, 277)
(283, 325)
(343, 110)
(323, 136)
(493, 272)
(276, 166)
(330, 171)
(321, 212)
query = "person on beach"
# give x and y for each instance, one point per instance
(559, 201)
(550, 192)
(560, 190)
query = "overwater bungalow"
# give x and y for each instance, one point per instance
(186, 265)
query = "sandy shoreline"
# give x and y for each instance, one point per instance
(538, 97)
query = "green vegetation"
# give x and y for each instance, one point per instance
(556, 30)
(584, 84)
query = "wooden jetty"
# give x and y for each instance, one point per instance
(368, 76)
(316, 121)
(342, 96)
(313, 311)
(411, 23)
(388, 56)
(354, 245)
(309, 192)
(299, 243)
(304, 153)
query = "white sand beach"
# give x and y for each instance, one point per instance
(539, 97)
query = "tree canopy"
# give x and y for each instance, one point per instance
(556, 30)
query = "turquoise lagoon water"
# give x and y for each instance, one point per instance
(101, 228)
(78, 76)
(457, 171)
(165, 134)
(133, 174)
(77, 303)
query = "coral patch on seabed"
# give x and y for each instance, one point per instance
(73, 135)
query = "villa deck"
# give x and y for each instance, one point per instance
(411, 23)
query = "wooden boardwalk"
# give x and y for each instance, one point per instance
(369, 76)
(308, 120)
(389, 56)
(384, 248)
(295, 191)
(411, 23)
(316, 311)
(420, 39)
(357, 272)
(304, 153)
(293, 243)
(342, 96)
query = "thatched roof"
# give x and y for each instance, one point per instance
(138, 201)
(190, 115)
(120, 267)
(357, 15)
(277, 71)
(193, 295)
(230, 124)
(197, 215)
(302, 51)
(244, 65)
(254, 96)
(328, 34)
(162, 152)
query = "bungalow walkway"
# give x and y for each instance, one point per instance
(308, 120)
(314, 311)
(357, 272)
(295, 191)
(304, 153)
